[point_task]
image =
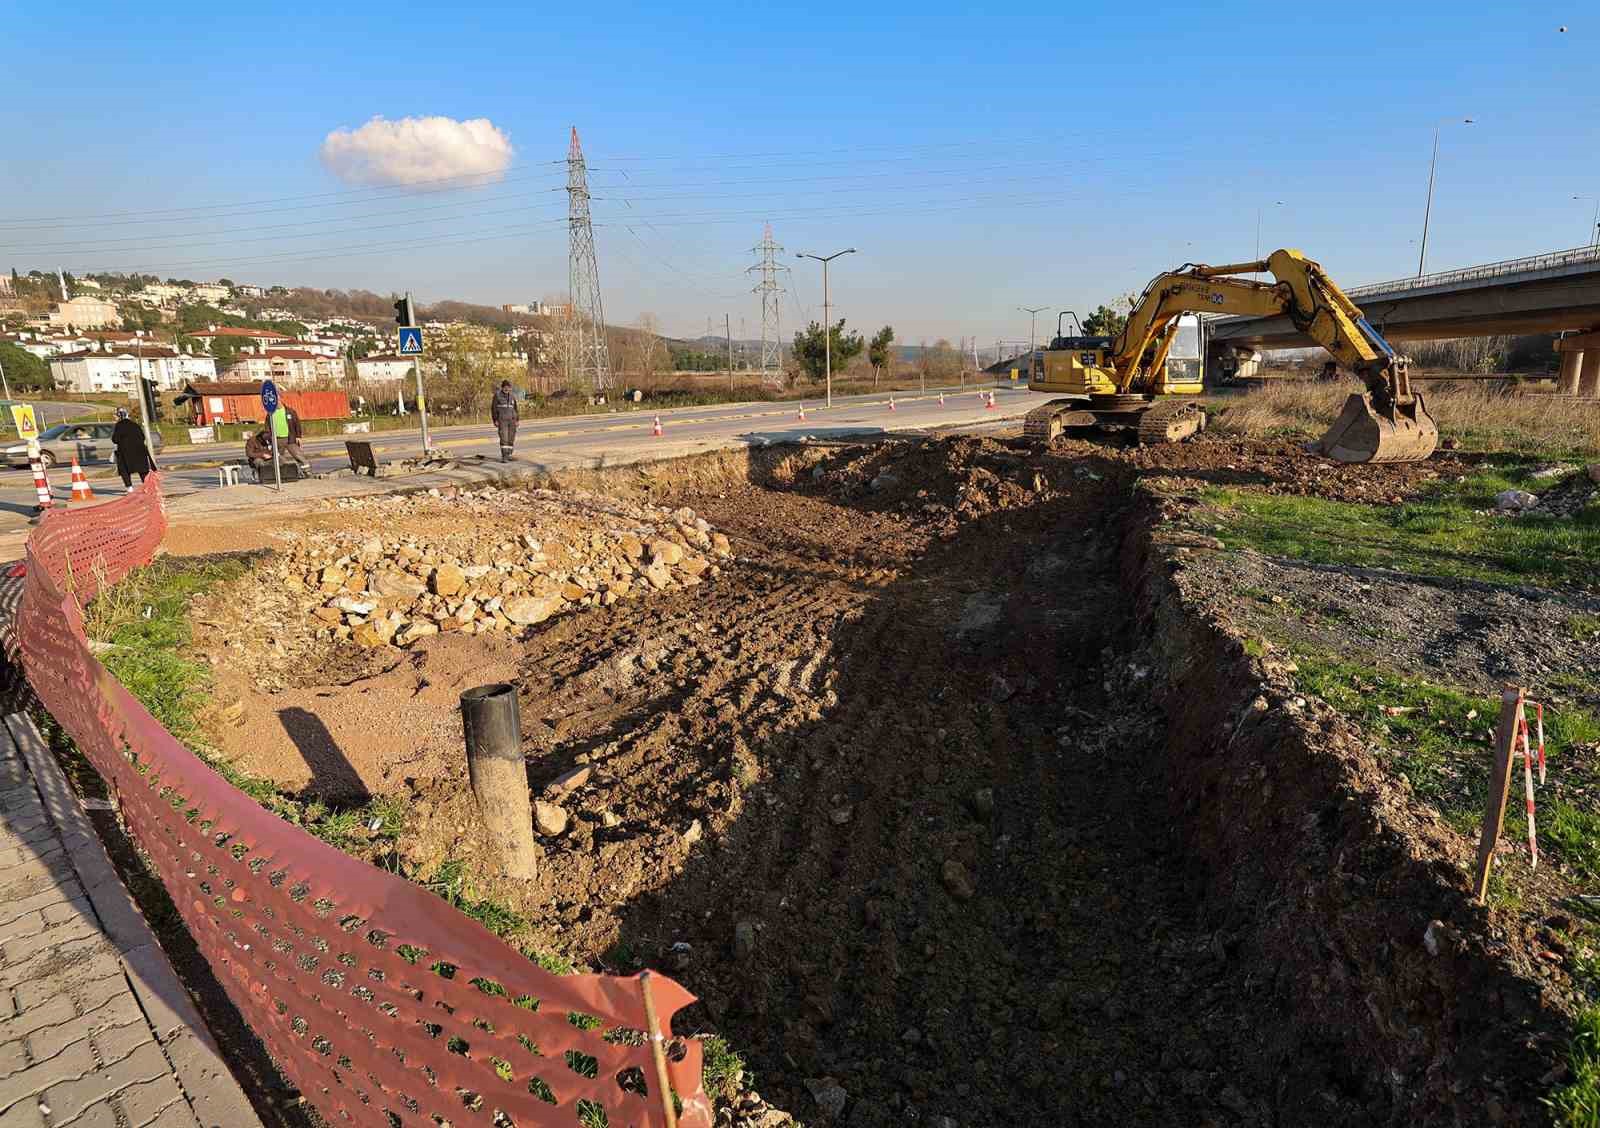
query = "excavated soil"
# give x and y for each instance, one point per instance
(898, 796)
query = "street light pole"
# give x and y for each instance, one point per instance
(1427, 212)
(1033, 319)
(827, 328)
(1594, 224)
(1259, 209)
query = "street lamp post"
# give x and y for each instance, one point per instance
(1259, 209)
(1033, 318)
(827, 328)
(1427, 212)
(1594, 224)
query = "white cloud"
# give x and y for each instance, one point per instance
(418, 152)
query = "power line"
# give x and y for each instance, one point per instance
(174, 214)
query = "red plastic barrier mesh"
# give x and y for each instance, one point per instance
(384, 1005)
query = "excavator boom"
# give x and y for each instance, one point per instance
(1387, 423)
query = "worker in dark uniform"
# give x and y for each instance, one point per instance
(132, 451)
(503, 410)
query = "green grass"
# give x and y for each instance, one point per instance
(1440, 738)
(722, 1072)
(1583, 627)
(1442, 534)
(1577, 1103)
(144, 622)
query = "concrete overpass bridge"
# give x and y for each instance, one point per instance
(1540, 294)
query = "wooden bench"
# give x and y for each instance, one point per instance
(363, 457)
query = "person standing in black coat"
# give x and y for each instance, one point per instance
(133, 453)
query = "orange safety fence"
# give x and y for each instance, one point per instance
(380, 1002)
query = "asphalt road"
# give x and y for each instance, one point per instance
(573, 440)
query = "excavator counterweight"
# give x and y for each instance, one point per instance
(1116, 381)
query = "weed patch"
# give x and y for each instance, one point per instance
(1440, 740)
(1450, 533)
(1577, 1103)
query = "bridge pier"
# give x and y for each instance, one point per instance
(1580, 365)
(1571, 360)
(1589, 373)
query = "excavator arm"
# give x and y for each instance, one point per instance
(1388, 423)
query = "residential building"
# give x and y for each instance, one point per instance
(330, 349)
(261, 338)
(159, 294)
(248, 291)
(384, 369)
(84, 312)
(6, 289)
(86, 283)
(536, 309)
(293, 368)
(94, 372)
(210, 292)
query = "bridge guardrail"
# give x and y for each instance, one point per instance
(1547, 261)
(381, 1002)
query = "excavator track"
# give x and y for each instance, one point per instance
(1168, 421)
(1042, 424)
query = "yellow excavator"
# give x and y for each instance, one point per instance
(1120, 381)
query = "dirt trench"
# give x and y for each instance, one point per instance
(956, 803)
(934, 875)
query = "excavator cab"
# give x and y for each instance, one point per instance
(1075, 366)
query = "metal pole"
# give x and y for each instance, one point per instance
(1427, 212)
(1033, 321)
(1594, 236)
(827, 331)
(827, 335)
(727, 331)
(277, 467)
(499, 775)
(422, 400)
(138, 386)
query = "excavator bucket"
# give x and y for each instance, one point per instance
(1362, 433)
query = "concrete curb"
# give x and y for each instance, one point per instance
(212, 1093)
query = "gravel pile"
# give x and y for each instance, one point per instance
(577, 551)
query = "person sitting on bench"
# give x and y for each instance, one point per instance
(258, 452)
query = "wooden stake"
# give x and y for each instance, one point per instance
(658, 1052)
(1494, 815)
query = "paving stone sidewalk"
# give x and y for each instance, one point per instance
(95, 1029)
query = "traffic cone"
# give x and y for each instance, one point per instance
(655, 427)
(801, 414)
(990, 404)
(80, 484)
(41, 485)
(891, 401)
(941, 399)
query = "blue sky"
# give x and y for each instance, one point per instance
(979, 158)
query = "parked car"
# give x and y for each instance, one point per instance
(91, 442)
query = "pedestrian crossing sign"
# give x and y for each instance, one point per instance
(410, 340)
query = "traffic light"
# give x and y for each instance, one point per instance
(404, 314)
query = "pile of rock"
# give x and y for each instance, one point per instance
(391, 591)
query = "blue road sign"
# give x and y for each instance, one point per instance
(269, 396)
(410, 340)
